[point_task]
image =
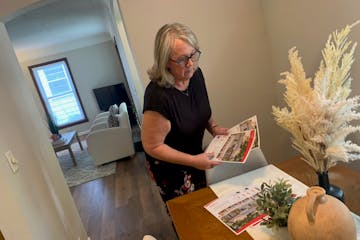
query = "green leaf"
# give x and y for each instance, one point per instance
(275, 199)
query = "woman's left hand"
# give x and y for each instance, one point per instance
(218, 130)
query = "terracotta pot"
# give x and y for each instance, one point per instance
(318, 216)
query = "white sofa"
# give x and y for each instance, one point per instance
(106, 143)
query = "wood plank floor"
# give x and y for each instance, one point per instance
(123, 206)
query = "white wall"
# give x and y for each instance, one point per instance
(235, 60)
(245, 45)
(92, 67)
(35, 202)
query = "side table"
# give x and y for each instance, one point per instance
(64, 143)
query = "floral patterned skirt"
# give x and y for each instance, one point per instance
(175, 180)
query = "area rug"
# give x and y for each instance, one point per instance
(85, 170)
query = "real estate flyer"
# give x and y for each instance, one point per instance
(237, 210)
(249, 124)
(235, 146)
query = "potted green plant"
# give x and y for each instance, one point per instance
(53, 128)
(275, 200)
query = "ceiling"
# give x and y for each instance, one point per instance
(58, 22)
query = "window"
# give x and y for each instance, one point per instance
(58, 93)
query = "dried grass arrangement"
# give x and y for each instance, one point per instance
(320, 113)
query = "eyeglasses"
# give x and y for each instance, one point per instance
(183, 61)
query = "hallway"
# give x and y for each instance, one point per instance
(125, 205)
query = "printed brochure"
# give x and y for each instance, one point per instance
(237, 210)
(235, 146)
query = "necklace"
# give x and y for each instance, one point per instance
(185, 92)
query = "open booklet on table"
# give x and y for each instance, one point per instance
(237, 210)
(235, 206)
(235, 146)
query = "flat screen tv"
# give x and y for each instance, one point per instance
(109, 95)
(114, 94)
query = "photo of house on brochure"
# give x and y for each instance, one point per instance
(235, 146)
(249, 124)
(237, 210)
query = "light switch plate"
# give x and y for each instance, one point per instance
(12, 161)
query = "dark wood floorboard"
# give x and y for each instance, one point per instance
(123, 206)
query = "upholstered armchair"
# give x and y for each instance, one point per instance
(107, 143)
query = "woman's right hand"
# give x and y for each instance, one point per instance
(203, 161)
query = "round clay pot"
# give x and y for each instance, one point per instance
(318, 216)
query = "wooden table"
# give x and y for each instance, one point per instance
(193, 221)
(64, 143)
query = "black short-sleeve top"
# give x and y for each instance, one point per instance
(188, 112)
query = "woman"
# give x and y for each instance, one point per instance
(176, 114)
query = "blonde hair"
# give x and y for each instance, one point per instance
(164, 42)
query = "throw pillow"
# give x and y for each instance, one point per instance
(113, 121)
(113, 109)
